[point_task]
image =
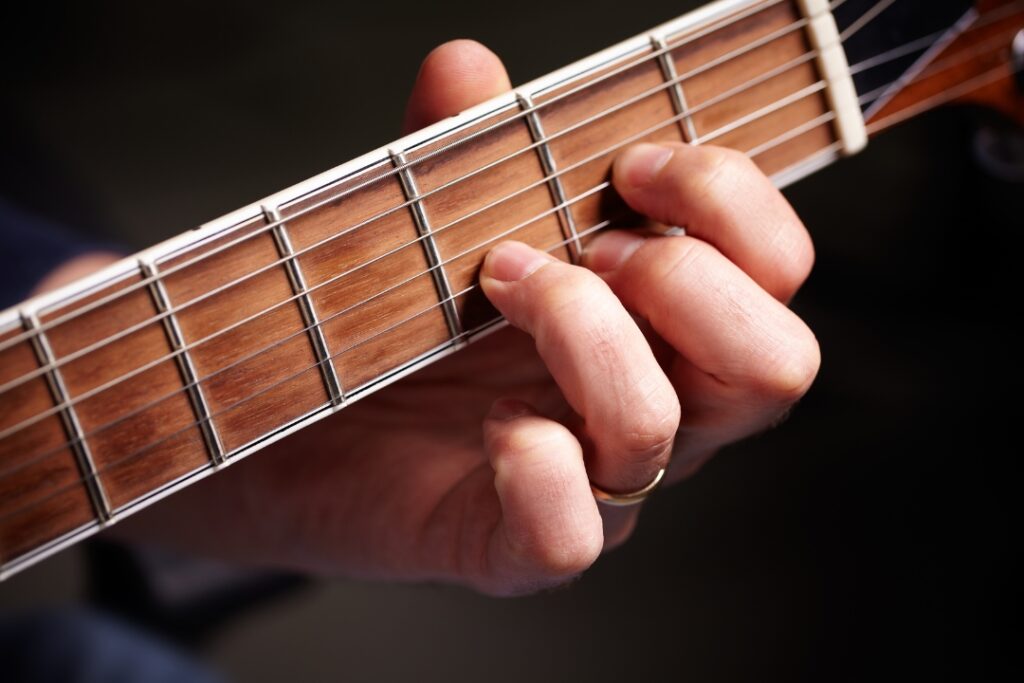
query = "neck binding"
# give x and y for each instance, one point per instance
(140, 380)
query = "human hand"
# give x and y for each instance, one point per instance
(475, 470)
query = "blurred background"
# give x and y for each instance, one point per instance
(875, 535)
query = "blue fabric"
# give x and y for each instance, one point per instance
(77, 646)
(30, 247)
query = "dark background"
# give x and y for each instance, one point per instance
(875, 535)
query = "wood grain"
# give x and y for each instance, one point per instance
(606, 131)
(41, 496)
(261, 374)
(129, 426)
(463, 242)
(980, 55)
(364, 262)
(736, 73)
(374, 293)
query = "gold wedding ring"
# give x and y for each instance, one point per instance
(627, 499)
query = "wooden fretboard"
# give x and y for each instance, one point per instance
(124, 387)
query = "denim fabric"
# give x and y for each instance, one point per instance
(78, 646)
(30, 247)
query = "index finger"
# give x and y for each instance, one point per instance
(598, 357)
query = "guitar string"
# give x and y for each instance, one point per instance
(993, 44)
(941, 66)
(865, 19)
(92, 392)
(207, 466)
(806, 57)
(260, 351)
(158, 361)
(548, 212)
(986, 19)
(146, 280)
(393, 172)
(452, 341)
(976, 83)
(42, 370)
(544, 180)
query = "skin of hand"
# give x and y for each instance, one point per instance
(475, 470)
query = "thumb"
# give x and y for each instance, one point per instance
(454, 77)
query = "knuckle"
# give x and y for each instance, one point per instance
(652, 433)
(541, 439)
(569, 287)
(712, 165)
(646, 446)
(680, 255)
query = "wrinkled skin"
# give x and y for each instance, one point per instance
(476, 470)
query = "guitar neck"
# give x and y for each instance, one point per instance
(121, 388)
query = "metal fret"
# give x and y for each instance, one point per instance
(419, 215)
(547, 162)
(668, 71)
(76, 435)
(305, 302)
(186, 367)
(233, 228)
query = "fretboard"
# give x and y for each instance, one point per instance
(122, 388)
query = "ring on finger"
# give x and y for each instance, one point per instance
(627, 499)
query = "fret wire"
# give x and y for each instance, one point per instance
(72, 426)
(547, 162)
(749, 118)
(632, 100)
(426, 238)
(668, 71)
(589, 192)
(336, 314)
(625, 67)
(585, 233)
(332, 383)
(636, 98)
(618, 70)
(977, 82)
(186, 367)
(144, 449)
(464, 338)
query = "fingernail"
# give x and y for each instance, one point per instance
(638, 165)
(507, 409)
(610, 250)
(513, 261)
